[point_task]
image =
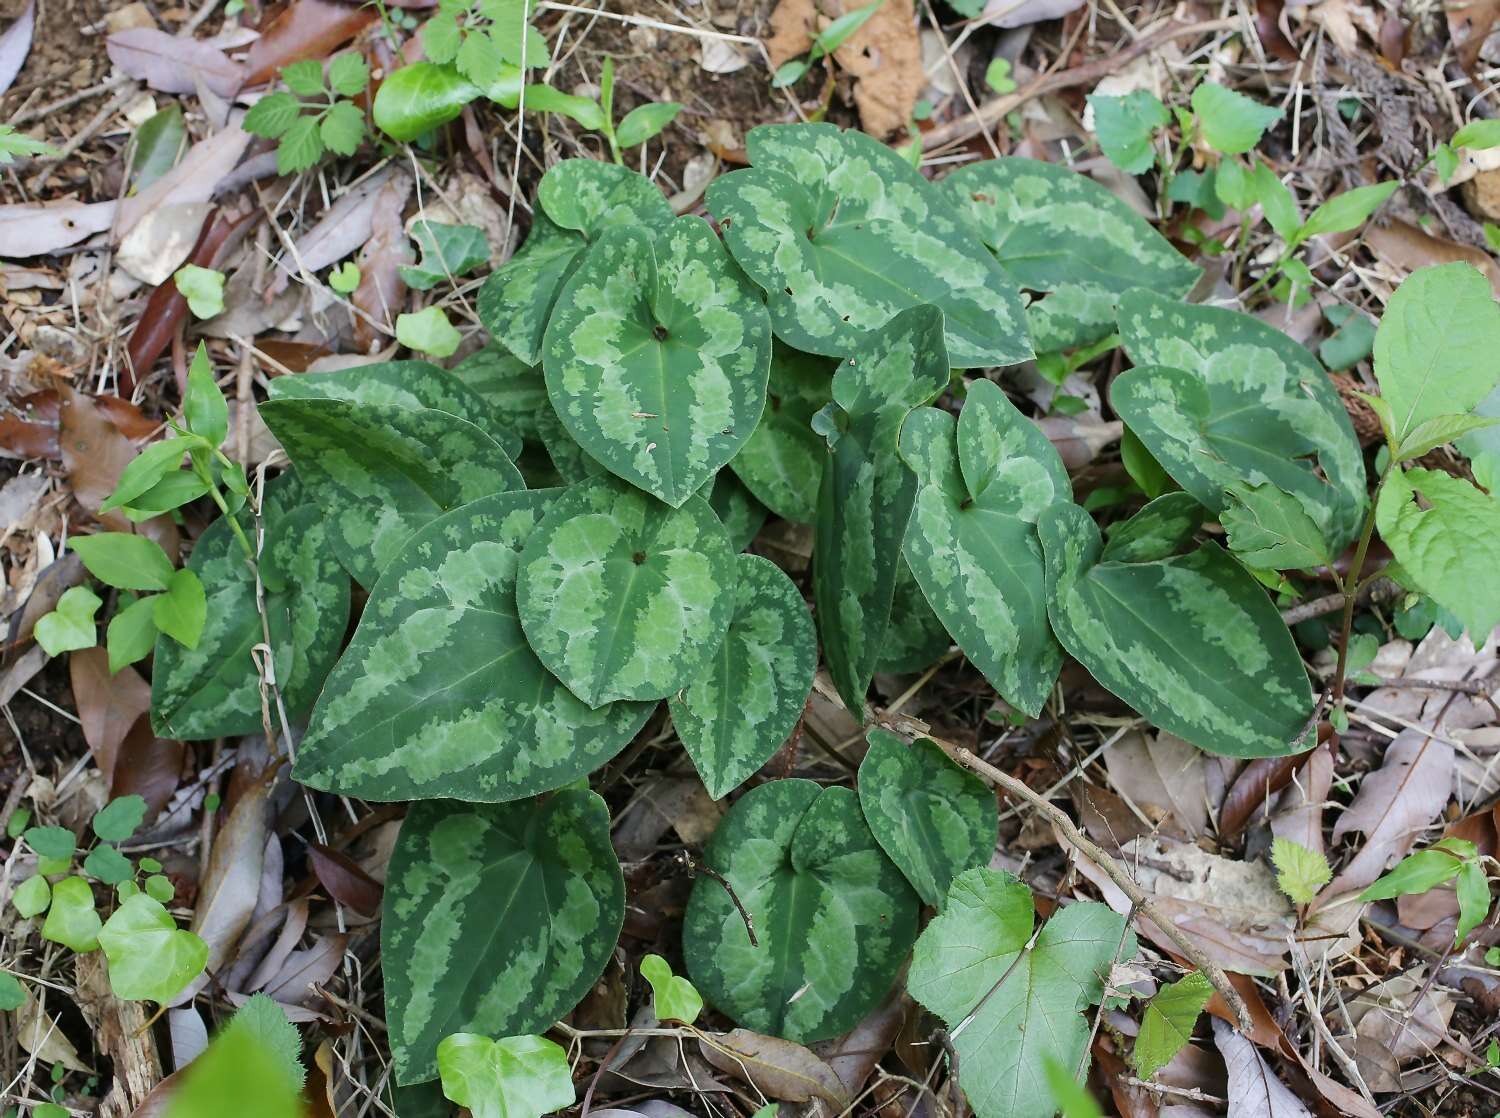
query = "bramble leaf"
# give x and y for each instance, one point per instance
(1300, 872)
(1232, 123)
(1125, 126)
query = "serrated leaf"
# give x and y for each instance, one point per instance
(264, 1019)
(1168, 1022)
(237, 1066)
(348, 73)
(833, 915)
(623, 597)
(439, 695)
(673, 998)
(1190, 642)
(914, 637)
(932, 818)
(301, 146)
(513, 1077)
(578, 199)
(737, 509)
(740, 707)
(842, 234)
(272, 115)
(656, 356)
(448, 251)
(1439, 431)
(1008, 1008)
(1232, 123)
(782, 460)
(1125, 126)
(419, 97)
(497, 919)
(342, 128)
(440, 37)
(1300, 872)
(150, 957)
(1270, 530)
(305, 77)
(213, 690)
(867, 492)
(971, 543)
(380, 472)
(1220, 398)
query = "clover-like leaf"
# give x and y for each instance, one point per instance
(931, 817)
(833, 916)
(379, 472)
(914, 637)
(150, 957)
(513, 1077)
(497, 919)
(982, 482)
(71, 624)
(1009, 1007)
(783, 458)
(842, 233)
(213, 690)
(1191, 642)
(657, 355)
(439, 695)
(1220, 399)
(740, 707)
(867, 492)
(578, 199)
(622, 597)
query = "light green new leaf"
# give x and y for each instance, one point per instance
(1168, 1022)
(578, 199)
(1449, 543)
(1193, 643)
(513, 1077)
(497, 919)
(914, 637)
(1345, 211)
(124, 560)
(428, 331)
(203, 288)
(1125, 127)
(380, 472)
(147, 469)
(1473, 888)
(783, 458)
(1232, 123)
(1270, 530)
(623, 597)
(1300, 872)
(439, 695)
(833, 916)
(264, 1019)
(656, 356)
(204, 407)
(1436, 344)
(418, 97)
(71, 624)
(213, 690)
(971, 543)
(32, 896)
(1415, 874)
(842, 233)
(448, 251)
(117, 820)
(1439, 431)
(181, 610)
(674, 998)
(867, 492)
(1220, 398)
(150, 957)
(740, 707)
(1162, 528)
(12, 993)
(1008, 1008)
(644, 122)
(72, 921)
(931, 817)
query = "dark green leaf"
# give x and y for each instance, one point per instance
(783, 459)
(117, 820)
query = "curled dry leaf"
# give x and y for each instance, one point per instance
(1164, 775)
(344, 880)
(27, 230)
(777, 1068)
(1397, 1020)
(1406, 247)
(38, 1032)
(295, 983)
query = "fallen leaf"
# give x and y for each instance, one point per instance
(719, 57)
(382, 293)
(1299, 811)
(1399, 1019)
(344, 227)
(344, 880)
(171, 64)
(28, 427)
(1254, 1091)
(147, 766)
(162, 241)
(1405, 248)
(167, 309)
(304, 29)
(19, 498)
(777, 1068)
(194, 179)
(304, 970)
(1019, 13)
(15, 45)
(1162, 772)
(108, 705)
(37, 1031)
(27, 230)
(1469, 25)
(854, 1055)
(1079, 439)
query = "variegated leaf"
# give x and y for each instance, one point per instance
(657, 355)
(1220, 399)
(737, 509)
(833, 915)
(380, 472)
(914, 637)
(982, 482)
(1074, 315)
(439, 695)
(867, 492)
(515, 390)
(741, 707)
(1162, 528)
(213, 690)
(577, 200)
(931, 817)
(783, 459)
(843, 233)
(1191, 642)
(623, 597)
(497, 919)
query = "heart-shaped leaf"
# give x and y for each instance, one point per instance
(914, 637)
(1191, 642)
(1162, 528)
(673, 998)
(982, 482)
(150, 957)
(931, 817)
(867, 492)
(513, 1077)
(783, 458)
(657, 355)
(213, 690)
(623, 597)
(842, 233)
(1220, 398)
(515, 390)
(497, 919)
(438, 694)
(833, 916)
(739, 709)
(1010, 1008)
(380, 472)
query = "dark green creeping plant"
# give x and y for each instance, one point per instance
(552, 537)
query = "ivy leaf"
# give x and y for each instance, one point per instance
(740, 707)
(32, 896)
(1191, 642)
(439, 695)
(782, 460)
(71, 624)
(971, 543)
(105, 863)
(124, 560)
(1232, 123)
(117, 820)
(622, 597)
(657, 355)
(932, 818)
(644, 122)
(1168, 1022)
(273, 115)
(833, 916)
(203, 288)
(448, 251)
(673, 997)
(51, 844)
(1300, 872)
(496, 919)
(428, 331)
(150, 957)
(1009, 1008)
(380, 472)
(513, 1077)
(1449, 544)
(419, 97)
(1125, 127)
(72, 921)
(842, 233)
(1270, 530)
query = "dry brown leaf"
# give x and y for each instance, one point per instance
(37, 1031)
(344, 880)
(27, 230)
(382, 292)
(854, 1055)
(1299, 811)
(344, 227)
(170, 64)
(304, 29)
(192, 180)
(1163, 773)
(303, 970)
(1400, 1019)
(15, 45)
(108, 705)
(1079, 439)
(1254, 1091)
(1469, 25)
(1406, 248)
(777, 1068)
(147, 766)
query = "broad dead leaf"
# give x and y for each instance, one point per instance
(1400, 1019)
(108, 705)
(382, 293)
(304, 29)
(170, 64)
(37, 1031)
(294, 983)
(1164, 775)
(344, 227)
(15, 45)
(777, 1068)
(344, 880)
(1405, 248)
(147, 766)
(1254, 1090)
